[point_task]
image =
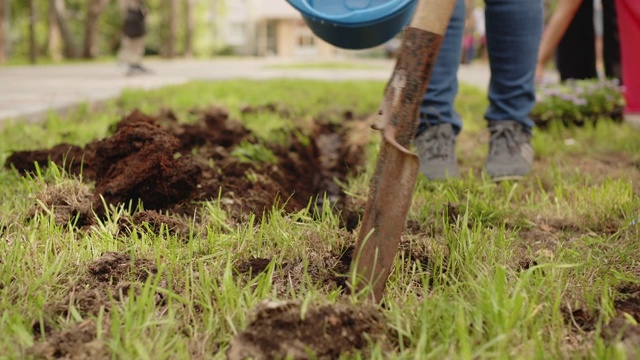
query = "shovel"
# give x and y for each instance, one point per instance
(394, 179)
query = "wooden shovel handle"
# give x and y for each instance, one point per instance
(433, 15)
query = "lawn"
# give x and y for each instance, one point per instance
(544, 268)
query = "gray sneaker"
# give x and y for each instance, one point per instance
(510, 151)
(436, 149)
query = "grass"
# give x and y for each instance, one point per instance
(506, 262)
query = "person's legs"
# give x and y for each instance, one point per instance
(136, 55)
(435, 139)
(611, 41)
(137, 50)
(576, 51)
(514, 29)
(124, 53)
(628, 12)
(437, 104)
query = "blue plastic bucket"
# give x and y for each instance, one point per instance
(355, 24)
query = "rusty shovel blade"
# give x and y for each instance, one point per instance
(389, 201)
(396, 172)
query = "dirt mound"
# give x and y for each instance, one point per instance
(155, 222)
(623, 328)
(627, 307)
(69, 201)
(112, 275)
(285, 330)
(169, 165)
(70, 157)
(138, 163)
(328, 271)
(78, 342)
(108, 281)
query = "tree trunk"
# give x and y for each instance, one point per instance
(53, 38)
(3, 32)
(172, 24)
(95, 8)
(190, 24)
(59, 6)
(33, 47)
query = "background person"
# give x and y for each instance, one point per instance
(513, 31)
(572, 31)
(133, 33)
(629, 23)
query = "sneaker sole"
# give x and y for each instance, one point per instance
(507, 178)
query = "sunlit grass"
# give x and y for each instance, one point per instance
(504, 261)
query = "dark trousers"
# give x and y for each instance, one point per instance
(576, 52)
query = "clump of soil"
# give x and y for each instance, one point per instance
(627, 306)
(155, 222)
(171, 166)
(78, 342)
(138, 163)
(329, 269)
(622, 328)
(109, 279)
(322, 265)
(285, 330)
(113, 274)
(72, 158)
(69, 201)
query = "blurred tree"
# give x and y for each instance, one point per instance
(190, 24)
(33, 46)
(172, 26)
(3, 31)
(54, 43)
(66, 29)
(60, 9)
(94, 10)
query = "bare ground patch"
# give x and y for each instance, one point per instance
(287, 329)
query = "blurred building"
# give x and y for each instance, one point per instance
(270, 28)
(281, 32)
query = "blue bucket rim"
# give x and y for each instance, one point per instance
(355, 17)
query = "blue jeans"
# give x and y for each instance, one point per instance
(513, 31)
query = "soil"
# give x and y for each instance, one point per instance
(108, 281)
(288, 330)
(156, 223)
(326, 270)
(329, 270)
(622, 328)
(78, 342)
(113, 274)
(170, 166)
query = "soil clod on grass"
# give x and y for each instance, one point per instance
(138, 163)
(112, 275)
(79, 342)
(287, 330)
(69, 201)
(73, 158)
(623, 328)
(156, 223)
(171, 166)
(108, 281)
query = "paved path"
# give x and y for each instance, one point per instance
(28, 92)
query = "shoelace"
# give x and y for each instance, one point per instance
(503, 138)
(438, 142)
